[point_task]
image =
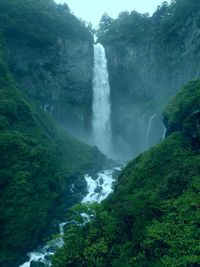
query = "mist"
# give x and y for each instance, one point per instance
(99, 133)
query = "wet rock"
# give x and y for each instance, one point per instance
(101, 181)
(50, 249)
(98, 189)
(95, 176)
(37, 264)
(62, 81)
(116, 174)
(114, 183)
(48, 257)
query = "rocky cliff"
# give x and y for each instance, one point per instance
(149, 58)
(52, 61)
(59, 78)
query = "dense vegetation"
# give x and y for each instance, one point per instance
(161, 44)
(185, 108)
(38, 163)
(39, 23)
(164, 27)
(152, 218)
(165, 37)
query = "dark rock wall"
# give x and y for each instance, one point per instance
(143, 78)
(59, 78)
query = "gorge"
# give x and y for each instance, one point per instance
(72, 109)
(98, 187)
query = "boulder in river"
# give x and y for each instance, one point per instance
(98, 189)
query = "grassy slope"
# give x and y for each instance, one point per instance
(152, 218)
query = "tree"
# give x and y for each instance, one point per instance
(104, 25)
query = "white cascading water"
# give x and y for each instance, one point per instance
(99, 187)
(101, 102)
(149, 127)
(164, 133)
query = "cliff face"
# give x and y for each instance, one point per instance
(59, 78)
(134, 113)
(50, 55)
(140, 88)
(149, 58)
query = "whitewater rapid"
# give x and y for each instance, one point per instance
(99, 187)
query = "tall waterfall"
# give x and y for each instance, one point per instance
(101, 101)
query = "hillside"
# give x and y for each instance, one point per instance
(59, 90)
(39, 161)
(152, 218)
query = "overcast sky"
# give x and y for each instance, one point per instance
(92, 10)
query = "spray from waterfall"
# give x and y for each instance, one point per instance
(101, 102)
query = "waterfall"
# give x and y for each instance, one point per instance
(164, 133)
(149, 127)
(101, 102)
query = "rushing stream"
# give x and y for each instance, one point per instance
(99, 187)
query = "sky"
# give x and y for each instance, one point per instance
(92, 10)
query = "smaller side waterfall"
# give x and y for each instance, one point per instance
(101, 101)
(164, 133)
(149, 126)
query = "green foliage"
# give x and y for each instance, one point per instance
(126, 29)
(40, 23)
(174, 240)
(5, 77)
(28, 173)
(168, 28)
(104, 24)
(38, 162)
(152, 218)
(92, 246)
(183, 111)
(173, 18)
(37, 167)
